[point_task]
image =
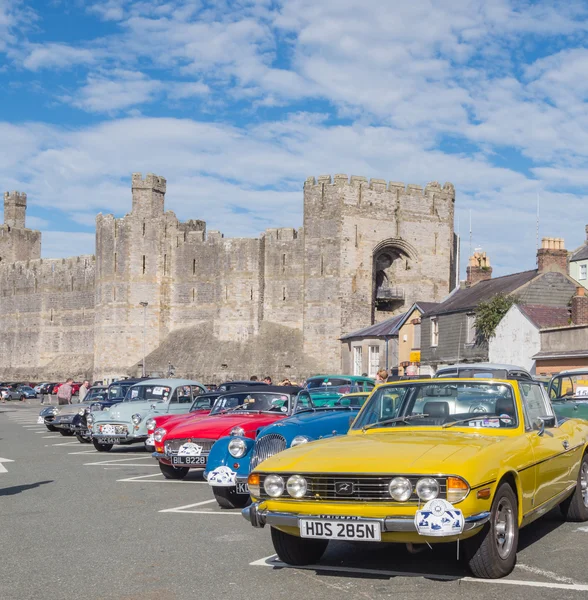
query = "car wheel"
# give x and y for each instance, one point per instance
(294, 550)
(228, 498)
(150, 449)
(66, 432)
(170, 472)
(492, 553)
(83, 439)
(102, 447)
(51, 427)
(575, 508)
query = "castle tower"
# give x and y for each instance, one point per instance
(148, 195)
(17, 242)
(371, 249)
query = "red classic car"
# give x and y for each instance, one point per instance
(186, 444)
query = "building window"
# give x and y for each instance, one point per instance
(374, 360)
(471, 332)
(357, 360)
(583, 272)
(434, 331)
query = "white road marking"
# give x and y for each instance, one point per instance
(84, 452)
(34, 425)
(585, 529)
(50, 437)
(140, 477)
(118, 460)
(185, 510)
(273, 562)
(547, 574)
(3, 469)
(76, 443)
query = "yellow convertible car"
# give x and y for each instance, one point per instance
(429, 461)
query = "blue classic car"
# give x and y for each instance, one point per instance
(233, 457)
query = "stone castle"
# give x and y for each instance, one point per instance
(219, 308)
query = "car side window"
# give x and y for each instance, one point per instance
(535, 403)
(368, 386)
(196, 391)
(184, 394)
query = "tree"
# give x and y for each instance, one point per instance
(490, 313)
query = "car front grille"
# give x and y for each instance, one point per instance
(172, 446)
(322, 487)
(266, 446)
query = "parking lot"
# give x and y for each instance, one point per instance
(79, 523)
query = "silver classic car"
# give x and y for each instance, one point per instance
(126, 422)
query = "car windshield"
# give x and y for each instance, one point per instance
(146, 392)
(426, 404)
(355, 401)
(573, 385)
(252, 402)
(333, 385)
(117, 390)
(95, 393)
(203, 403)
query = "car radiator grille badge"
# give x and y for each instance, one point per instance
(344, 488)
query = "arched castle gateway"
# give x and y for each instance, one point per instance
(222, 307)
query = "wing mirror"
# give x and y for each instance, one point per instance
(545, 421)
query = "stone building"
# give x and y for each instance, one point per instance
(220, 307)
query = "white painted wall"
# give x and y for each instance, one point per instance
(516, 341)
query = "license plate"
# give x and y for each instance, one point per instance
(40, 420)
(106, 429)
(84, 433)
(107, 440)
(340, 530)
(188, 460)
(242, 488)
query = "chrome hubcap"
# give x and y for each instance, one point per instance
(504, 524)
(584, 482)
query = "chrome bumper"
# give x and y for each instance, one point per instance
(261, 518)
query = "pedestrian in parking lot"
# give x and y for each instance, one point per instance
(64, 393)
(381, 376)
(253, 378)
(267, 379)
(83, 390)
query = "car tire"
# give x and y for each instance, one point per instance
(492, 553)
(150, 449)
(295, 550)
(575, 507)
(51, 427)
(66, 432)
(83, 440)
(102, 447)
(226, 497)
(170, 472)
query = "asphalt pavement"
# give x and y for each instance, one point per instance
(76, 523)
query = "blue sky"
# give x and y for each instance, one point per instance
(236, 103)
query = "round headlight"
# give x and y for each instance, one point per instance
(136, 419)
(82, 412)
(237, 431)
(159, 433)
(400, 489)
(273, 486)
(55, 410)
(296, 486)
(89, 419)
(237, 448)
(299, 439)
(427, 488)
(151, 424)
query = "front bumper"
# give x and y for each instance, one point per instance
(400, 524)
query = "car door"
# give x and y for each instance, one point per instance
(550, 448)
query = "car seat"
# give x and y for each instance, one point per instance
(436, 410)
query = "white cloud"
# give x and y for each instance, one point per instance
(185, 90)
(61, 244)
(58, 56)
(114, 91)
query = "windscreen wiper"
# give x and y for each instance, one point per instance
(476, 418)
(395, 420)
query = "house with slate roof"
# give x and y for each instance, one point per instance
(448, 332)
(579, 263)
(393, 344)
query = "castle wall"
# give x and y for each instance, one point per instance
(317, 282)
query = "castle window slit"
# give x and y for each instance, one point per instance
(143, 264)
(115, 261)
(194, 267)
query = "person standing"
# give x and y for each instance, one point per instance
(83, 390)
(381, 376)
(64, 393)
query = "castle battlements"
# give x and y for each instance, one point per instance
(151, 182)
(380, 185)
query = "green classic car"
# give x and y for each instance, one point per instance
(568, 392)
(327, 389)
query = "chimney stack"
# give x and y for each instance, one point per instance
(580, 307)
(479, 268)
(552, 257)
